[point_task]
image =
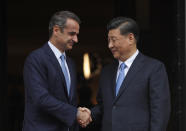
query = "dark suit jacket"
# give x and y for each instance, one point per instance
(47, 105)
(143, 102)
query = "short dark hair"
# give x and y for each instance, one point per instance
(60, 18)
(126, 26)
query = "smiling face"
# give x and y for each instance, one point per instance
(65, 38)
(121, 46)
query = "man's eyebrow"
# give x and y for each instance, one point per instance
(73, 33)
(112, 37)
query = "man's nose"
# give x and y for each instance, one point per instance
(110, 45)
(75, 39)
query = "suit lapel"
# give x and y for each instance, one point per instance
(135, 67)
(113, 77)
(72, 77)
(56, 65)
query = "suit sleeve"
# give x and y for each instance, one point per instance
(97, 111)
(159, 99)
(35, 80)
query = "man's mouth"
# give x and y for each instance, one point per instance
(71, 43)
(113, 51)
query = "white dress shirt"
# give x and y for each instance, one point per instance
(128, 63)
(58, 54)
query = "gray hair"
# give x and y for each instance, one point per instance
(60, 18)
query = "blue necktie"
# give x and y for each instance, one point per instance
(120, 77)
(63, 59)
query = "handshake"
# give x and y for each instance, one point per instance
(84, 116)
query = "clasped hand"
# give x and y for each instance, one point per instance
(84, 116)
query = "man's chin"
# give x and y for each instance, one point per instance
(115, 56)
(70, 47)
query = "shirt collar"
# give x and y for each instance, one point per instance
(56, 51)
(130, 60)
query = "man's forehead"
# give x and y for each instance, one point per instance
(71, 30)
(113, 34)
(71, 22)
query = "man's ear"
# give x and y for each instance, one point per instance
(131, 37)
(56, 29)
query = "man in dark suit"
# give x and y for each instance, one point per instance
(50, 80)
(134, 91)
